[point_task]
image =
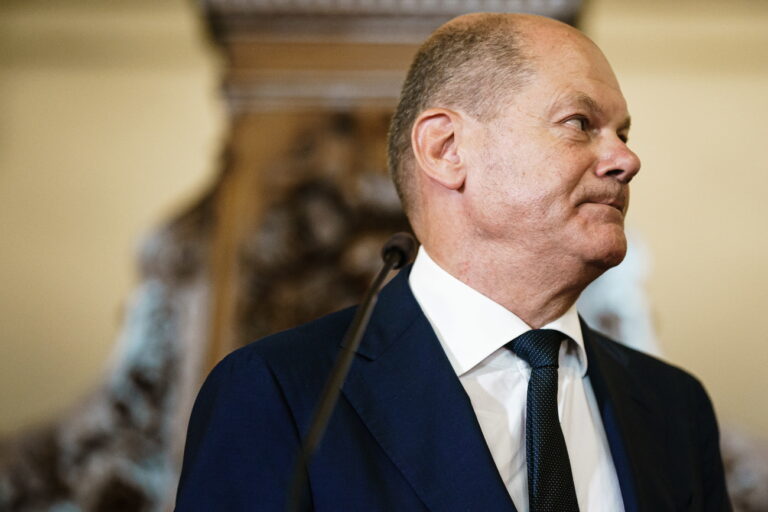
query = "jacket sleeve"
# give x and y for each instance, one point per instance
(241, 442)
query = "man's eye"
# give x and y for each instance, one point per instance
(579, 122)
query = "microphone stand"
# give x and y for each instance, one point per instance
(398, 251)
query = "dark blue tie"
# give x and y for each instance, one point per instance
(550, 481)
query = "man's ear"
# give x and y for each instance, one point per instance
(435, 139)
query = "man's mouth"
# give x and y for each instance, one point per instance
(619, 205)
(614, 202)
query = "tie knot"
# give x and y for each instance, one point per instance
(539, 348)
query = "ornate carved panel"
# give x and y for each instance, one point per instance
(360, 20)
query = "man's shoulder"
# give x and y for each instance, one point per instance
(655, 371)
(305, 349)
(313, 335)
(661, 386)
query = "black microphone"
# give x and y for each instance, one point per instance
(403, 245)
(398, 251)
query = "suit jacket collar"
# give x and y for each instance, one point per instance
(406, 392)
(634, 424)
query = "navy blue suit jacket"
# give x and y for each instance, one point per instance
(404, 436)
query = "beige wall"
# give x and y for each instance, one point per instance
(108, 123)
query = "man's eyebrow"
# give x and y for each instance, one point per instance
(586, 101)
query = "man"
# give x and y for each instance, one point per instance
(476, 386)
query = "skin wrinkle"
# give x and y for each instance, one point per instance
(527, 207)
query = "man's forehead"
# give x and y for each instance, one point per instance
(576, 73)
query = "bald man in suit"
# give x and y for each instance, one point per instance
(509, 150)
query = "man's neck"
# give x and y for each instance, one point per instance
(538, 290)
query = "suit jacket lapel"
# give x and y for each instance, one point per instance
(634, 427)
(407, 394)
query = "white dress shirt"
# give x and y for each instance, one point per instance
(473, 330)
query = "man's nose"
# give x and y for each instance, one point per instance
(618, 161)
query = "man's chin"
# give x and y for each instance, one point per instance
(614, 258)
(608, 250)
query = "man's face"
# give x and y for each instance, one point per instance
(550, 173)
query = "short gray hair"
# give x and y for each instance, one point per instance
(467, 65)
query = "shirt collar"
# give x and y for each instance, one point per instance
(471, 326)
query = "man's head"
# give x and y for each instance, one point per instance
(511, 138)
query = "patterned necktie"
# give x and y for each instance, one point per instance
(550, 481)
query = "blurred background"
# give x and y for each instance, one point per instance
(177, 178)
